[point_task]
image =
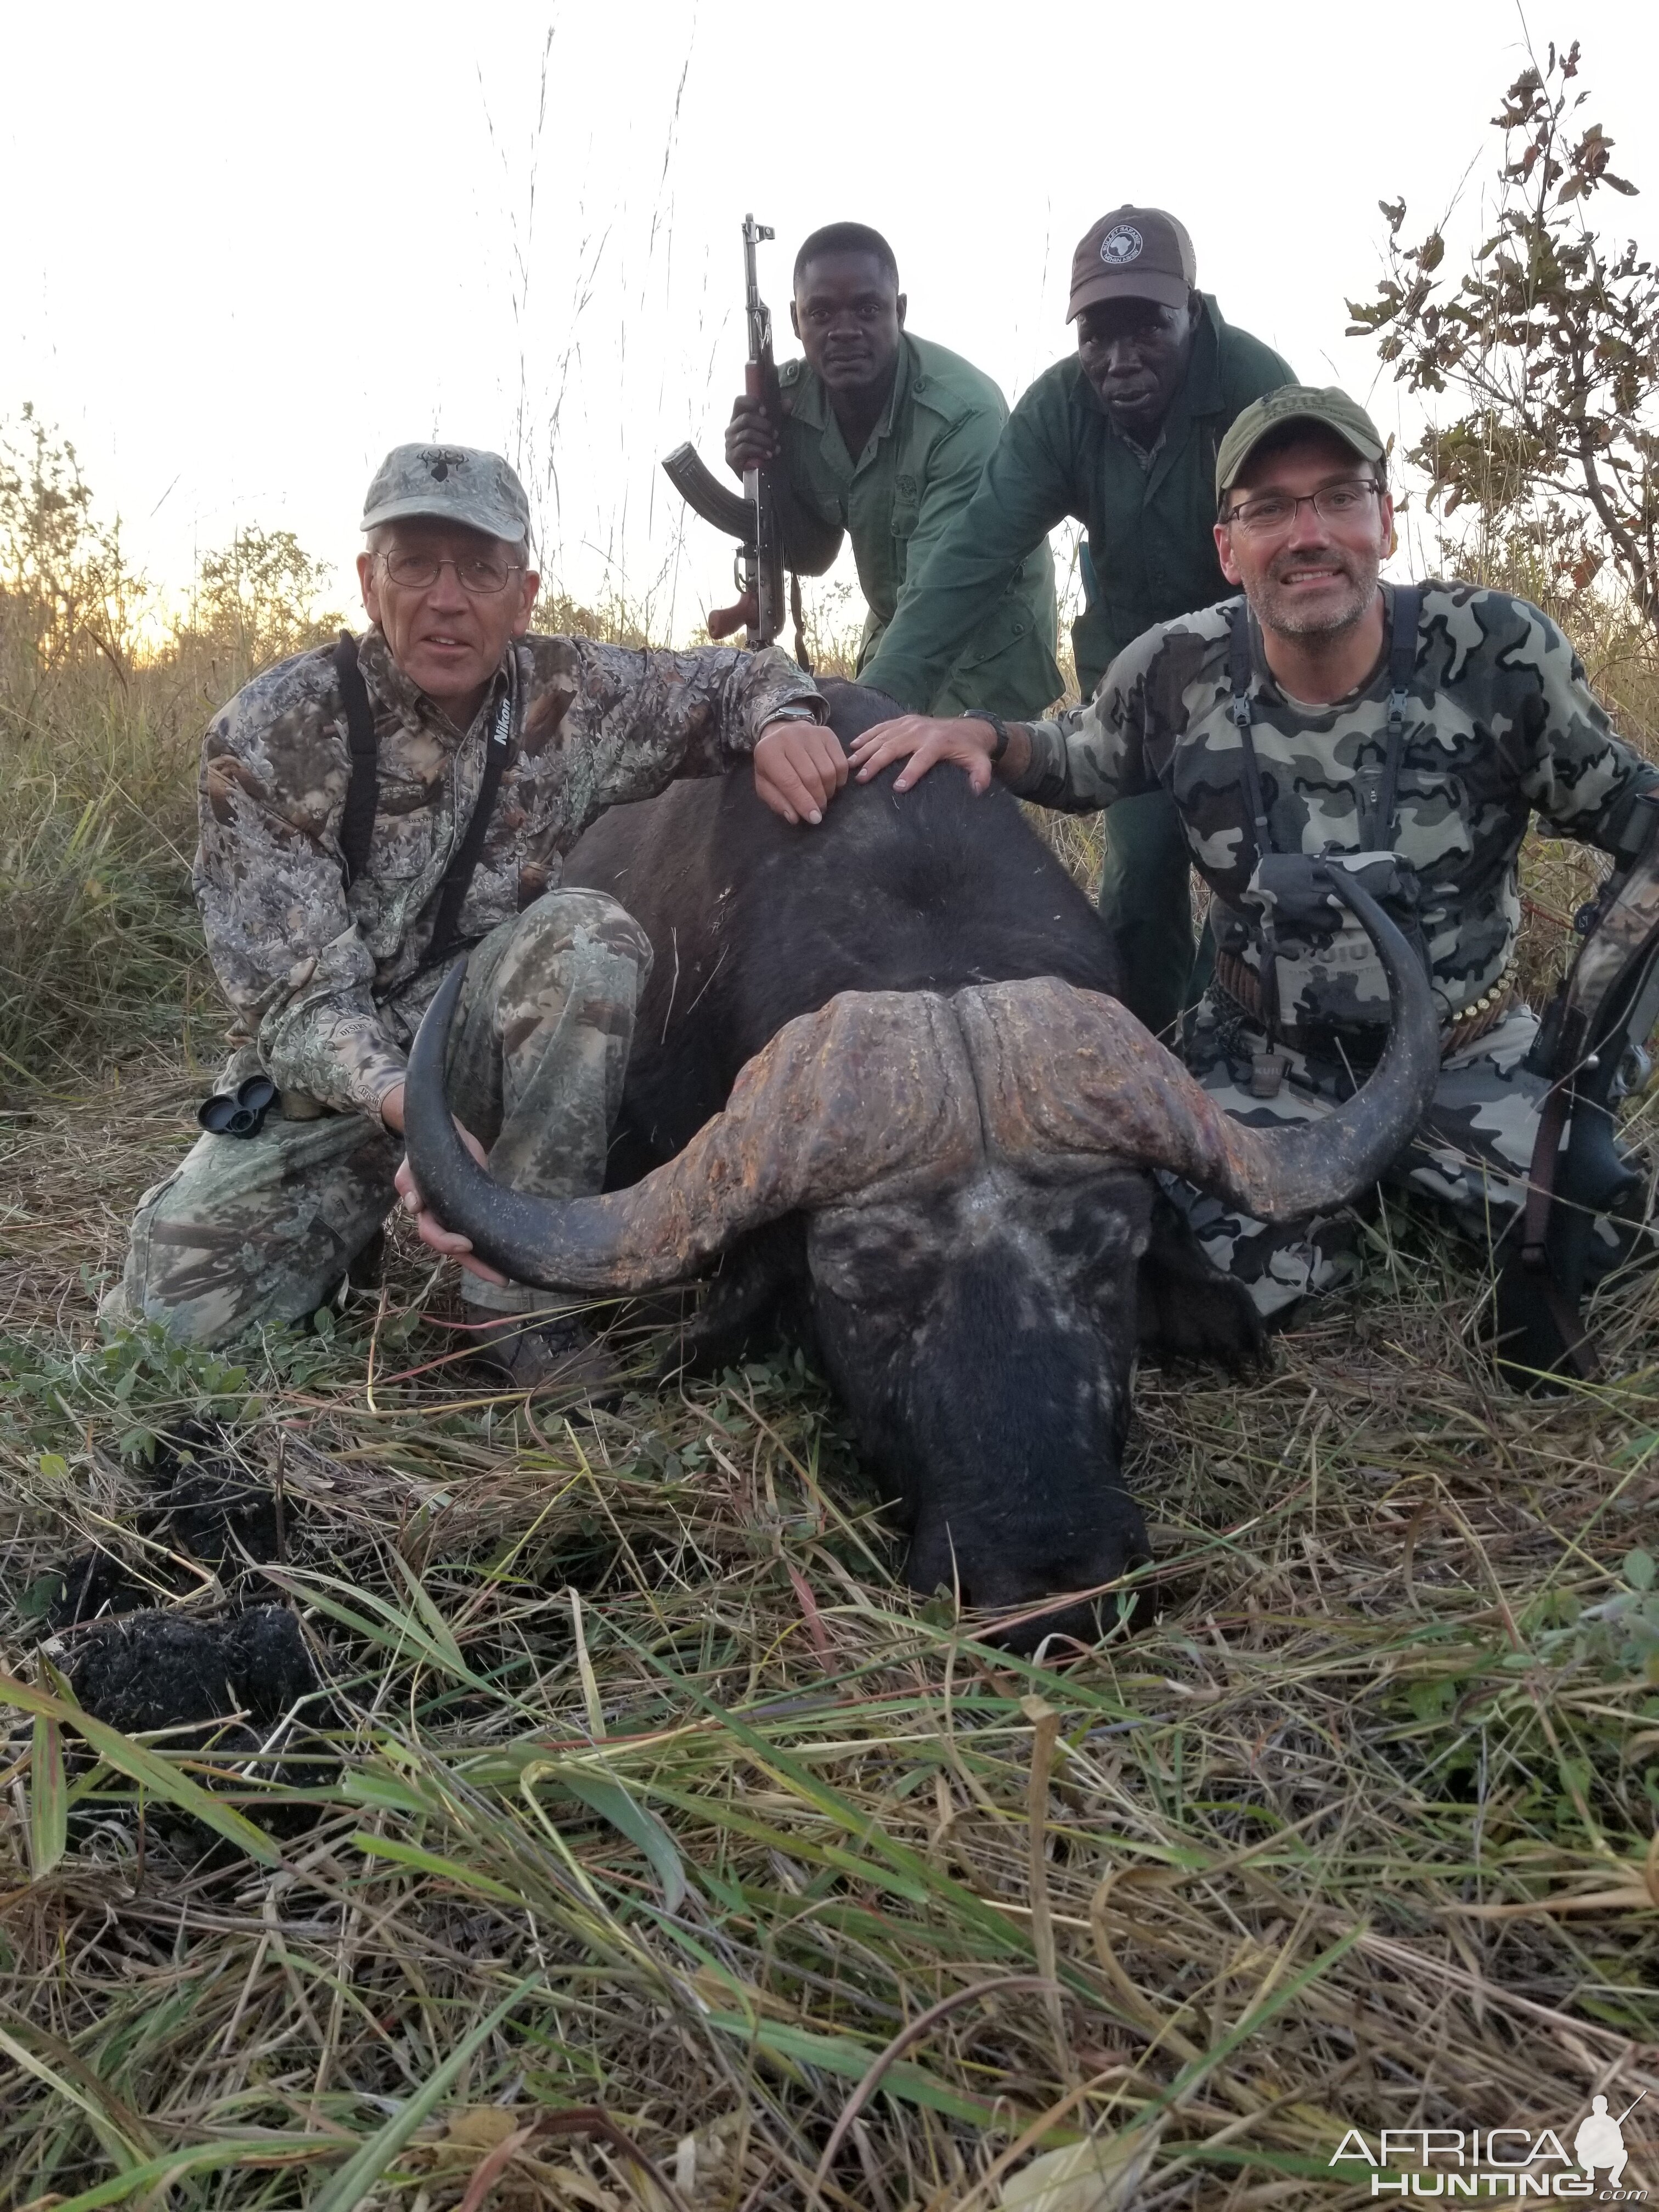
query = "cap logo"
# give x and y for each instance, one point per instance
(440, 459)
(1123, 242)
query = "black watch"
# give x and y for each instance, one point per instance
(984, 714)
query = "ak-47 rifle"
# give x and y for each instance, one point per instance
(752, 519)
(1591, 1045)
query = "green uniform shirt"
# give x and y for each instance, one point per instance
(898, 499)
(1149, 528)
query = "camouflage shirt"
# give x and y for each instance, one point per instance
(330, 982)
(1500, 721)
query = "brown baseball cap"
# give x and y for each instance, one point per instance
(1133, 253)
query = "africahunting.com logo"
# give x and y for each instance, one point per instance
(1498, 2161)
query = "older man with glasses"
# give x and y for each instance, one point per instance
(372, 812)
(1411, 731)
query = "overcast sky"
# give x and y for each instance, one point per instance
(246, 249)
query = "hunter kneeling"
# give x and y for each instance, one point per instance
(372, 813)
(1408, 734)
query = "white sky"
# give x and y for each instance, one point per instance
(249, 248)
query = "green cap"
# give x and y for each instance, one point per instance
(450, 483)
(1324, 406)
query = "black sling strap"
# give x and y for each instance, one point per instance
(357, 819)
(357, 822)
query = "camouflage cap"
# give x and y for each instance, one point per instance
(1133, 253)
(1325, 407)
(450, 483)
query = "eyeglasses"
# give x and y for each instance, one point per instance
(1276, 510)
(479, 576)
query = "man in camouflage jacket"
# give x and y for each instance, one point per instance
(328, 978)
(1496, 723)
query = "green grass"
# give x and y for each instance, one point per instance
(643, 1785)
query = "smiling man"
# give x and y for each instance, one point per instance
(369, 814)
(882, 438)
(1123, 438)
(1414, 730)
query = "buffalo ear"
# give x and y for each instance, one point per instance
(1188, 1309)
(756, 1297)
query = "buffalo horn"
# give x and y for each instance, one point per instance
(1063, 1070)
(873, 1085)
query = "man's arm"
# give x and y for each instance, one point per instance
(655, 715)
(1082, 758)
(956, 464)
(271, 884)
(1023, 490)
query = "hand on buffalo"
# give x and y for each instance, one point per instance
(799, 768)
(432, 1231)
(924, 742)
(751, 437)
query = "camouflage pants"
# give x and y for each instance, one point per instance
(247, 1230)
(1471, 1155)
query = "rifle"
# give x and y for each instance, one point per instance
(752, 518)
(1590, 1045)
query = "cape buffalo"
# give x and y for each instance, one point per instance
(877, 1067)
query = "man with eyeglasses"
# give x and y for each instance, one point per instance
(1411, 730)
(1123, 438)
(370, 813)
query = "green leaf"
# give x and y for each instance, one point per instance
(355, 2179)
(48, 1796)
(1638, 1570)
(150, 1768)
(641, 1827)
(465, 1877)
(54, 1467)
(793, 2047)
(199, 2158)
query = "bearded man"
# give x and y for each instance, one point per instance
(1410, 733)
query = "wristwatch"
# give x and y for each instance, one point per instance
(984, 714)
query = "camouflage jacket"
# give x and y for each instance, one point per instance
(1501, 722)
(329, 983)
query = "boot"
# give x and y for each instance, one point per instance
(542, 1352)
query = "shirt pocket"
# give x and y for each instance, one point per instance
(402, 846)
(906, 504)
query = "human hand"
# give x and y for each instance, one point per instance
(924, 741)
(751, 437)
(799, 768)
(449, 1242)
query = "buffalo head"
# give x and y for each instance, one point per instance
(972, 1170)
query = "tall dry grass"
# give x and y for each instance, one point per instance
(638, 1781)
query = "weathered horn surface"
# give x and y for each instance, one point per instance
(1061, 1070)
(875, 1085)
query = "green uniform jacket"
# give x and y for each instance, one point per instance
(1149, 529)
(897, 500)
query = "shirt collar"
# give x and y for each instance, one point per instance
(394, 688)
(812, 409)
